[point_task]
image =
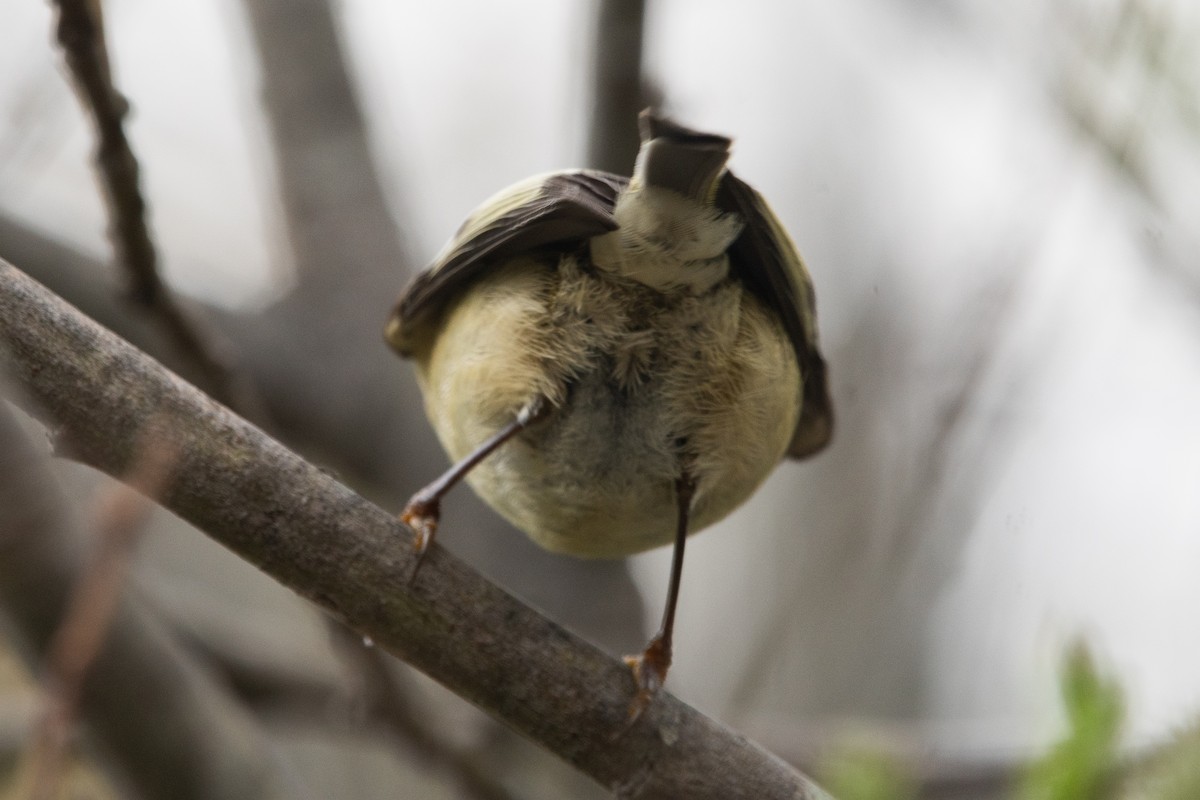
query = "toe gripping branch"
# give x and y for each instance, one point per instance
(424, 508)
(650, 668)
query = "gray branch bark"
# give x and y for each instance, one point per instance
(169, 726)
(321, 539)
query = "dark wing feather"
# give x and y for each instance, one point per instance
(556, 209)
(767, 262)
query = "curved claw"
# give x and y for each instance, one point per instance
(649, 673)
(421, 515)
(423, 518)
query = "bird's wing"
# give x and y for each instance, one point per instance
(558, 208)
(765, 258)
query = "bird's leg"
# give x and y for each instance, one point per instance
(650, 668)
(424, 508)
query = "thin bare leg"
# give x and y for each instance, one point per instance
(424, 508)
(650, 668)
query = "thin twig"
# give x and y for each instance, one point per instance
(119, 518)
(80, 31)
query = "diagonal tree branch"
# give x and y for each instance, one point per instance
(167, 724)
(389, 703)
(321, 539)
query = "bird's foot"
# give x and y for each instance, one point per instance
(649, 673)
(421, 515)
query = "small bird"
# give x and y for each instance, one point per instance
(615, 363)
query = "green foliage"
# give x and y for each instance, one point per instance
(866, 775)
(1083, 766)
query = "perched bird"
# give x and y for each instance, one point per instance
(614, 363)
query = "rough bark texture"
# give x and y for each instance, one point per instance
(169, 726)
(324, 541)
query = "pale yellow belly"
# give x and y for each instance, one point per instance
(720, 397)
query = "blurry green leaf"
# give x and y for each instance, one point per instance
(1083, 766)
(866, 775)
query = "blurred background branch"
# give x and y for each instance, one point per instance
(167, 727)
(117, 521)
(619, 88)
(80, 31)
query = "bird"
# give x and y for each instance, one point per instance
(616, 363)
